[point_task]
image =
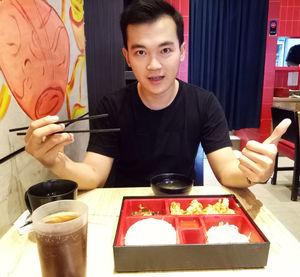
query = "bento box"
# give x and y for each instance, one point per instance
(197, 234)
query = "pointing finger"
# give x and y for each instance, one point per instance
(280, 129)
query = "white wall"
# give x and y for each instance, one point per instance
(19, 173)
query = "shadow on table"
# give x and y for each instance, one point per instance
(248, 200)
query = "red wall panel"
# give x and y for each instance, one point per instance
(289, 18)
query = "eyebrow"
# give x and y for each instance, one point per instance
(166, 43)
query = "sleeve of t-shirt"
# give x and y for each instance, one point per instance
(215, 133)
(104, 143)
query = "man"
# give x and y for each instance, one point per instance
(162, 119)
(293, 56)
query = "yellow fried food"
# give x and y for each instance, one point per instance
(175, 209)
(195, 207)
(144, 211)
(221, 207)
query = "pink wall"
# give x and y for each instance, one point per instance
(183, 7)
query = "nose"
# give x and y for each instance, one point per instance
(154, 64)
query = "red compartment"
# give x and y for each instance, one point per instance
(158, 206)
(244, 225)
(126, 222)
(205, 201)
(189, 222)
(192, 236)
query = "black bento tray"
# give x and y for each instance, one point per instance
(191, 251)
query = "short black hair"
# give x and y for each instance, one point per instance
(293, 56)
(147, 11)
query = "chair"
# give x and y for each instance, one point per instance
(291, 136)
(198, 168)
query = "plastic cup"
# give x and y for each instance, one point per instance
(61, 233)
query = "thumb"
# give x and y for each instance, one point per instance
(280, 129)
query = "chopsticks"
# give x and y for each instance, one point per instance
(65, 121)
(80, 131)
(70, 122)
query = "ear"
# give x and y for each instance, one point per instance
(125, 53)
(182, 51)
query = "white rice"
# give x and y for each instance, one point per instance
(225, 234)
(150, 231)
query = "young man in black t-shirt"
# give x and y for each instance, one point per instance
(162, 119)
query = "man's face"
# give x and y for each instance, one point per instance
(154, 54)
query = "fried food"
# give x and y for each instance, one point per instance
(195, 207)
(221, 207)
(144, 211)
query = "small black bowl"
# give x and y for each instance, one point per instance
(48, 191)
(171, 183)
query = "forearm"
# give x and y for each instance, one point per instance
(83, 174)
(226, 168)
(232, 176)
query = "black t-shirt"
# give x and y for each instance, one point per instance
(152, 142)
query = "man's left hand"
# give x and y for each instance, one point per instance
(258, 159)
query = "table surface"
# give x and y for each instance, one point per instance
(19, 256)
(286, 99)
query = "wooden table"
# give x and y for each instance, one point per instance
(19, 256)
(290, 103)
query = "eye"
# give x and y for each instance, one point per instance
(140, 53)
(166, 50)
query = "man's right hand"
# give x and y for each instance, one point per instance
(42, 142)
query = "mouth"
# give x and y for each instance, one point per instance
(156, 78)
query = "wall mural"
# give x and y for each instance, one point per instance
(42, 64)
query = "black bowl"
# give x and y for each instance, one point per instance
(48, 191)
(171, 183)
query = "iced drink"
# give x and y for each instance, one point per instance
(61, 232)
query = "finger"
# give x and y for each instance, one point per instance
(281, 128)
(248, 173)
(40, 123)
(59, 148)
(248, 163)
(58, 139)
(38, 147)
(48, 152)
(254, 147)
(259, 158)
(39, 135)
(254, 172)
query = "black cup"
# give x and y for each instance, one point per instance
(49, 191)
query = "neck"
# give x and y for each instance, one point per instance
(158, 101)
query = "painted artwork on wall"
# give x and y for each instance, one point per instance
(42, 64)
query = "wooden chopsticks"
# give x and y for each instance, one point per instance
(68, 122)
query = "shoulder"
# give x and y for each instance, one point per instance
(122, 93)
(190, 88)
(116, 100)
(115, 103)
(196, 94)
